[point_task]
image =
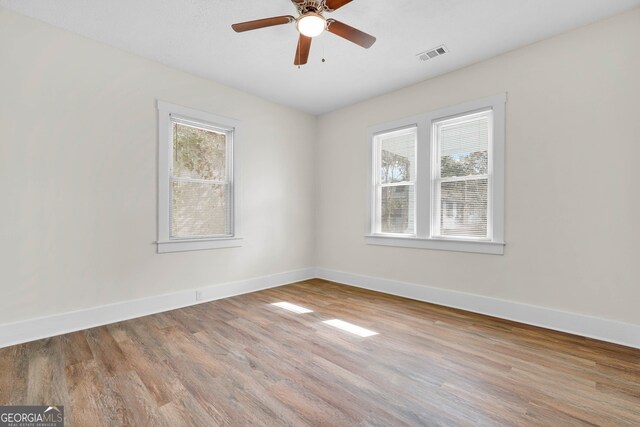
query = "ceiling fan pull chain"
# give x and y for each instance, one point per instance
(323, 60)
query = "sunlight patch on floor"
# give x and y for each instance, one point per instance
(292, 307)
(350, 327)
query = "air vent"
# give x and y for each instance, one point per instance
(433, 53)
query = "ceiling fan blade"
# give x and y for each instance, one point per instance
(262, 23)
(336, 4)
(349, 33)
(302, 52)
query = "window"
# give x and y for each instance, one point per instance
(197, 182)
(461, 183)
(438, 179)
(395, 182)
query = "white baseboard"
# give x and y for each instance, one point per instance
(44, 327)
(240, 287)
(578, 324)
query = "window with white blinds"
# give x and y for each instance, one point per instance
(437, 179)
(462, 179)
(201, 196)
(197, 180)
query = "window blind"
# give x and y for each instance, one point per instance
(462, 178)
(200, 185)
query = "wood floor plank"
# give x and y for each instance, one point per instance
(14, 366)
(110, 354)
(185, 411)
(161, 387)
(243, 361)
(137, 400)
(46, 380)
(75, 348)
(84, 386)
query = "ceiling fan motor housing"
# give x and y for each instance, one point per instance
(310, 6)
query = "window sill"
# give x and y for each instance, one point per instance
(183, 245)
(492, 248)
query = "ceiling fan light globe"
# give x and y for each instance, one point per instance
(311, 24)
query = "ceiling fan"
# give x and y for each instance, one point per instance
(311, 23)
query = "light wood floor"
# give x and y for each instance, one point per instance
(242, 361)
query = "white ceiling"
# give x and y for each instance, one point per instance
(196, 36)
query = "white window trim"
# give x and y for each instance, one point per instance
(165, 242)
(423, 183)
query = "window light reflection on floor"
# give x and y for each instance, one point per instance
(349, 327)
(292, 307)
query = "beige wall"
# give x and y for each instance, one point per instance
(78, 176)
(572, 176)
